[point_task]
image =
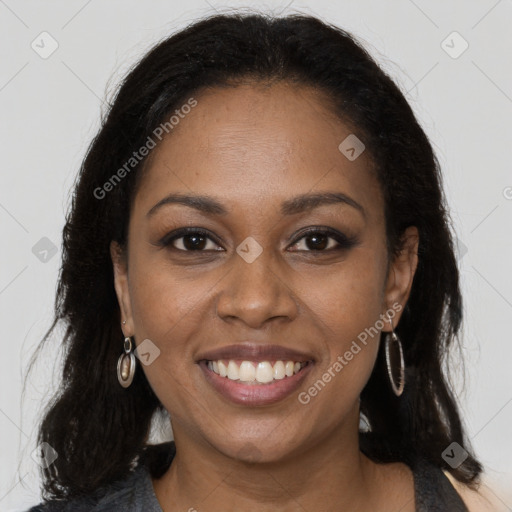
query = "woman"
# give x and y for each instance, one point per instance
(259, 246)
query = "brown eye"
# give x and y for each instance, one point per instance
(189, 240)
(324, 240)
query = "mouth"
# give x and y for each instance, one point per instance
(255, 375)
(255, 372)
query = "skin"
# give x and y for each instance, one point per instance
(252, 147)
(482, 500)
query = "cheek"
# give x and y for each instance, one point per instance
(338, 305)
(167, 312)
(164, 300)
(347, 307)
(171, 307)
(348, 298)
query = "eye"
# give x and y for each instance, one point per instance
(324, 240)
(189, 240)
(312, 240)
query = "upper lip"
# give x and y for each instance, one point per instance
(255, 352)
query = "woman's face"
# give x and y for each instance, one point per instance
(256, 278)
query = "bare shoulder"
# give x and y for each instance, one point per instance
(482, 500)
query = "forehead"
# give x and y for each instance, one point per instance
(258, 144)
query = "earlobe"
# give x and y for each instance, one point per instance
(401, 272)
(120, 269)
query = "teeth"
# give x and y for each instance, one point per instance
(247, 372)
(262, 372)
(223, 371)
(233, 371)
(279, 370)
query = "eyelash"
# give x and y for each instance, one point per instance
(344, 242)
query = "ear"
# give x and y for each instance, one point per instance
(120, 266)
(400, 275)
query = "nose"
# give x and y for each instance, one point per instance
(256, 292)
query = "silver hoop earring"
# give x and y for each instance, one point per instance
(126, 364)
(392, 338)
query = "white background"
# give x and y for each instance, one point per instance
(50, 110)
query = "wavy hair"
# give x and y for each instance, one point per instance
(98, 428)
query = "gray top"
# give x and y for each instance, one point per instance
(434, 493)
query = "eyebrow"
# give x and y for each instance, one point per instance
(293, 206)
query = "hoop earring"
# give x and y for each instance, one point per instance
(398, 388)
(126, 365)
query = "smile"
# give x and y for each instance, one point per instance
(256, 372)
(255, 383)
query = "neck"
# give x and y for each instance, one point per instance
(332, 472)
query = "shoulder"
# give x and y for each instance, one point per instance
(132, 493)
(481, 500)
(434, 490)
(435, 487)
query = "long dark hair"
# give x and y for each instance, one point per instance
(98, 428)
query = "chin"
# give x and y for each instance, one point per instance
(254, 451)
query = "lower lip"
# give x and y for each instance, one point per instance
(255, 394)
